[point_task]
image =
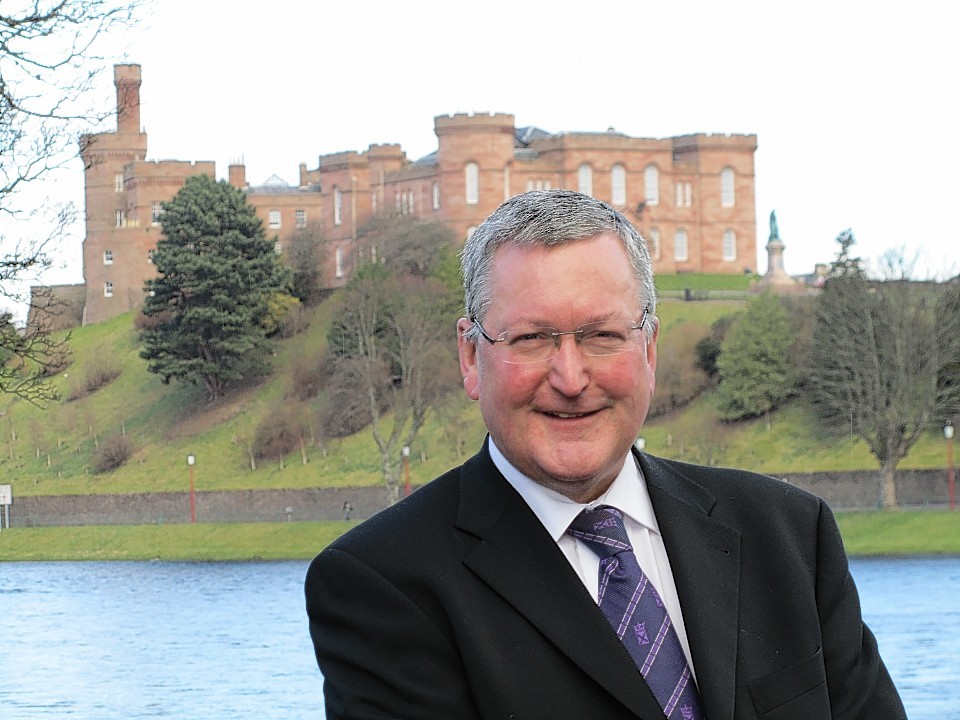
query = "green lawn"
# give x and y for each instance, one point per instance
(864, 533)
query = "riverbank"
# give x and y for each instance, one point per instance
(866, 534)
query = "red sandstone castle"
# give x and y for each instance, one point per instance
(691, 196)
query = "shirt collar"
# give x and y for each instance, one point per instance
(628, 492)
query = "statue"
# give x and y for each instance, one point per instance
(774, 230)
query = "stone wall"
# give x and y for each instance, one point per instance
(211, 506)
(842, 491)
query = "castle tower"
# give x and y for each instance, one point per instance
(474, 158)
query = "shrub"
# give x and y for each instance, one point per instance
(97, 372)
(278, 434)
(678, 380)
(112, 454)
(307, 379)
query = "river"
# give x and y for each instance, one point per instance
(124, 640)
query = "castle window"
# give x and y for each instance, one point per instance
(653, 243)
(436, 196)
(151, 254)
(274, 219)
(618, 185)
(684, 194)
(301, 218)
(410, 202)
(108, 257)
(121, 218)
(728, 196)
(472, 178)
(108, 289)
(651, 185)
(337, 208)
(339, 263)
(373, 254)
(156, 210)
(729, 245)
(680, 245)
(585, 179)
(278, 247)
(118, 183)
(404, 207)
(373, 202)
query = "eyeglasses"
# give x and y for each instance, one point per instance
(539, 344)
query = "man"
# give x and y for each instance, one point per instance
(560, 573)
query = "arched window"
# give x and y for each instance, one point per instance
(651, 185)
(337, 207)
(680, 245)
(729, 245)
(653, 243)
(472, 178)
(585, 179)
(618, 185)
(728, 197)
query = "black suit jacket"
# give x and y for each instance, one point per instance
(456, 604)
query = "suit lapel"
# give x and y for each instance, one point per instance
(705, 561)
(539, 583)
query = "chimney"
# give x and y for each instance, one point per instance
(237, 175)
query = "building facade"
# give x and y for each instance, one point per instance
(691, 196)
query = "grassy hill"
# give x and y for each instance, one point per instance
(50, 451)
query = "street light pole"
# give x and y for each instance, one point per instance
(406, 470)
(951, 488)
(191, 460)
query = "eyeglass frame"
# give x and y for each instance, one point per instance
(557, 335)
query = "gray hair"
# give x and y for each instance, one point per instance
(548, 218)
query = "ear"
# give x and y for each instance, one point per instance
(650, 352)
(467, 350)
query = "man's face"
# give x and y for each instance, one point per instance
(567, 422)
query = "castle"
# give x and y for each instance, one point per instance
(691, 196)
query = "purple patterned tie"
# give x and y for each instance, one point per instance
(633, 608)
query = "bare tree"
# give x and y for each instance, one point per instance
(49, 61)
(881, 359)
(393, 340)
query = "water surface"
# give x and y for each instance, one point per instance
(119, 640)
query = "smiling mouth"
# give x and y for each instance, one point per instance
(567, 415)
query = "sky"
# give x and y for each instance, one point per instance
(853, 103)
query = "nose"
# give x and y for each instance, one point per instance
(568, 368)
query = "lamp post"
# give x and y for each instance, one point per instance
(191, 461)
(951, 489)
(406, 470)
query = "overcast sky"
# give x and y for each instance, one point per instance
(854, 105)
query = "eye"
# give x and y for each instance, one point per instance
(603, 334)
(530, 337)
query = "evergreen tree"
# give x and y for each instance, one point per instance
(217, 273)
(754, 364)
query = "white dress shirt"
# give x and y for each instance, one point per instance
(629, 494)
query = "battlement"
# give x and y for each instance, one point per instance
(169, 168)
(385, 151)
(473, 122)
(340, 159)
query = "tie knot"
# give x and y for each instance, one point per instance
(601, 528)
